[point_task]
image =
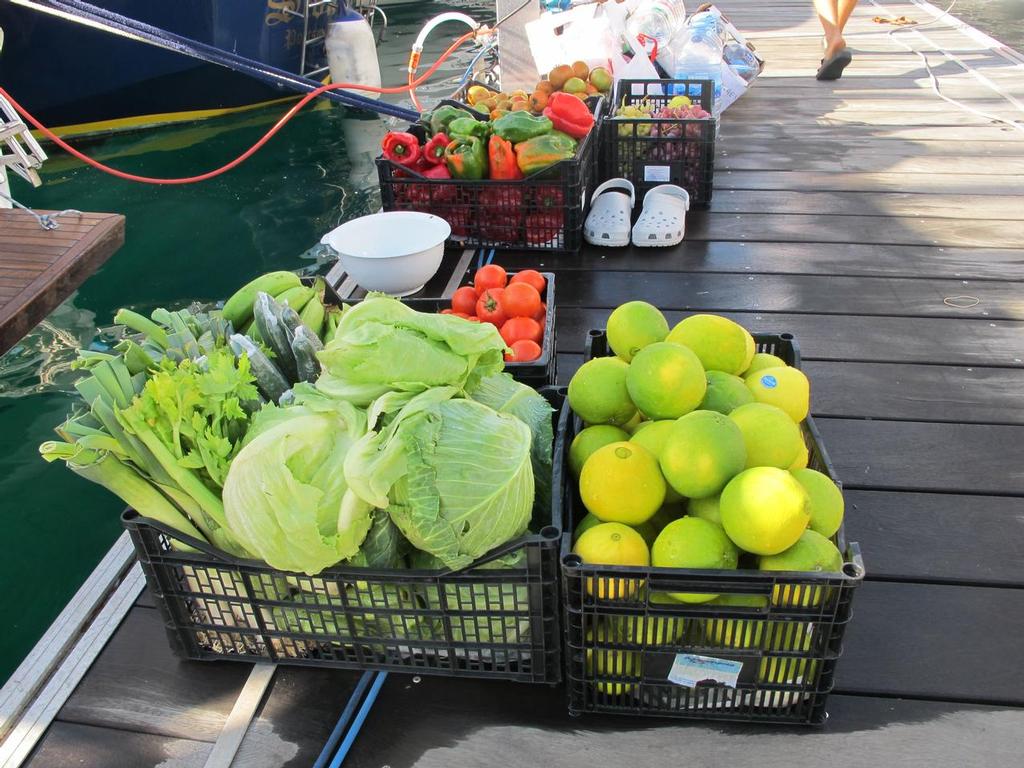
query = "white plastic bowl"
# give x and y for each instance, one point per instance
(395, 252)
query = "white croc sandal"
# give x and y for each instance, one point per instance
(611, 211)
(663, 219)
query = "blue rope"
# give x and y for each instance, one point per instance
(342, 724)
(490, 256)
(357, 724)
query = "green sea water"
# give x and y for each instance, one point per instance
(183, 243)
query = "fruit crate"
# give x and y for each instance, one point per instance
(536, 373)
(543, 212)
(640, 150)
(622, 654)
(498, 618)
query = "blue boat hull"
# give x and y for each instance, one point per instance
(82, 80)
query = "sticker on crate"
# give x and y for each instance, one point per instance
(657, 173)
(690, 670)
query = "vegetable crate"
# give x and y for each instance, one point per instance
(498, 618)
(543, 212)
(638, 652)
(650, 151)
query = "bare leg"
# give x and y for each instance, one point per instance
(828, 15)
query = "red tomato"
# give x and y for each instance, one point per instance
(489, 307)
(523, 351)
(491, 276)
(473, 319)
(541, 313)
(521, 328)
(530, 277)
(521, 300)
(447, 312)
(463, 315)
(464, 300)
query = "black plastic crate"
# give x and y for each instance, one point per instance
(543, 212)
(640, 149)
(620, 652)
(491, 619)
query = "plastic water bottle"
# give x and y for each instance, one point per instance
(658, 19)
(698, 55)
(352, 50)
(741, 59)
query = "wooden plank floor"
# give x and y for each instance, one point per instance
(40, 268)
(850, 214)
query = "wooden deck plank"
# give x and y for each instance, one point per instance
(934, 641)
(918, 183)
(81, 253)
(798, 293)
(137, 684)
(938, 536)
(86, 746)
(839, 259)
(951, 394)
(928, 341)
(449, 723)
(296, 718)
(917, 456)
(864, 204)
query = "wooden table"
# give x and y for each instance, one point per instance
(40, 268)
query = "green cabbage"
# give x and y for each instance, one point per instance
(382, 345)
(285, 496)
(382, 547)
(454, 475)
(506, 395)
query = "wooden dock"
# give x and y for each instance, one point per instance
(40, 268)
(882, 226)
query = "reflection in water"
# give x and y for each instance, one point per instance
(41, 362)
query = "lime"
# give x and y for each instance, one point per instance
(764, 510)
(693, 543)
(802, 457)
(634, 325)
(738, 633)
(787, 669)
(725, 393)
(763, 360)
(652, 436)
(612, 544)
(771, 437)
(597, 392)
(721, 344)
(703, 452)
(613, 663)
(705, 509)
(646, 530)
(588, 522)
(665, 381)
(786, 388)
(812, 553)
(827, 505)
(589, 440)
(622, 483)
(652, 630)
(637, 422)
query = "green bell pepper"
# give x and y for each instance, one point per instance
(468, 126)
(443, 115)
(520, 126)
(466, 157)
(541, 151)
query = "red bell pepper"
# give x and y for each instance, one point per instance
(401, 148)
(433, 151)
(546, 227)
(569, 114)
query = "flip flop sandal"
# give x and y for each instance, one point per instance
(663, 219)
(611, 210)
(832, 69)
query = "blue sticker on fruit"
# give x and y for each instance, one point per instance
(769, 381)
(689, 670)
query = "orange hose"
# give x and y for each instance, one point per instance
(255, 147)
